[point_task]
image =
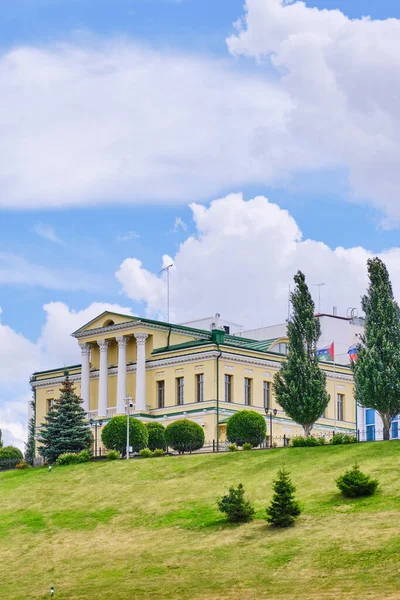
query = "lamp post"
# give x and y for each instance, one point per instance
(270, 414)
(129, 405)
(95, 424)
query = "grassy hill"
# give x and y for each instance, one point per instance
(149, 529)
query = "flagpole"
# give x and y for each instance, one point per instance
(334, 383)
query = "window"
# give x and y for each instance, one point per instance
(247, 391)
(179, 390)
(267, 394)
(161, 394)
(228, 388)
(200, 387)
(340, 406)
(50, 404)
(282, 348)
(395, 430)
(370, 422)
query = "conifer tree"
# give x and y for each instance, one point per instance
(1, 439)
(377, 368)
(283, 509)
(300, 385)
(30, 445)
(65, 429)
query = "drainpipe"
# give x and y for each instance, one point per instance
(218, 357)
(169, 336)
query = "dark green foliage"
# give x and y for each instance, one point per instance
(69, 458)
(65, 428)
(113, 455)
(343, 438)
(300, 385)
(30, 446)
(235, 506)
(377, 368)
(184, 436)
(156, 436)
(12, 453)
(283, 509)
(114, 434)
(246, 427)
(1, 439)
(302, 442)
(355, 484)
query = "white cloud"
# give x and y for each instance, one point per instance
(17, 270)
(47, 232)
(341, 76)
(119, 120)
(241, 262)
(128, 236)
(20, 357)
(179, 224)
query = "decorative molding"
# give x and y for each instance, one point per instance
(103, 345)
(181, 360)
(55, 381)
(85, 349)
(199, 368)
(248, 371)
(122, 341)
(160, 374)
(228, 368)
(267, 374)
(141, 338)
(134, 325)
(179, 371)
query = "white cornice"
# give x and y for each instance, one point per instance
(181, 360)
(134, 325)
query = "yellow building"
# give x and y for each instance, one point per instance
(174, 371)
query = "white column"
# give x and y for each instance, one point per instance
(103, 379)
(141, 371)
(121, 378)
(85, 376)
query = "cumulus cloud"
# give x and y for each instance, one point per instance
(241, 262)
(115, 119)
(20, 357)
(341, 77)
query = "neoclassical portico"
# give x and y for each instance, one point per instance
(103, 373)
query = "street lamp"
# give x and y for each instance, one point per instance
(128, 405)
(270, 414)
(95, 424)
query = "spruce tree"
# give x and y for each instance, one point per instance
(377, 368)
(30, 445)
(65, 429)
(283, 509)
(1, 439)
(300, 385)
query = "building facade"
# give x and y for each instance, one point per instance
(172, 372)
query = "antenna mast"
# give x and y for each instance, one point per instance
(167, 271)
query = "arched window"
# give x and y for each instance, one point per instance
(108, 323)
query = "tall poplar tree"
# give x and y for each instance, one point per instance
(1, 439)
(300, 385)
(65, 429)
(30, 444)
(377, 368)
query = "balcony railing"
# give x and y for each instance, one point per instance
(111, 412)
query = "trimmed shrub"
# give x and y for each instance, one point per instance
(22, 465)
(69, 458)
(302, 442)
(158, 452)
(246, 427)
(10, 453)
(113, 455)
(84, 456)
(235, 506)
(284, 509)
(355, 484)
(343, 438)
(184, 436)
(247, 447)
(232, 448)
(146, 453)
(113, 435)
(156, 436)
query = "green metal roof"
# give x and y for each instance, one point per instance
(183, 346)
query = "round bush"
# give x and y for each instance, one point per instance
(246, 427)
(343, 438)
(355, 484)
(184, 436)
(113, 435)
(113, 455)
(10, 453)
(158, 452)
(156, 436)
(146, 453)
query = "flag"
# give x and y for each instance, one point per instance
(327, 352)
(353, 352)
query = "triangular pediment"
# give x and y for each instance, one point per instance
(106, 319)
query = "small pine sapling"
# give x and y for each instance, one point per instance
(284, 509)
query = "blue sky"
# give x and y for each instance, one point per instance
(116, 116)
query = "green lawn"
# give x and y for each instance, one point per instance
(150, 529)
